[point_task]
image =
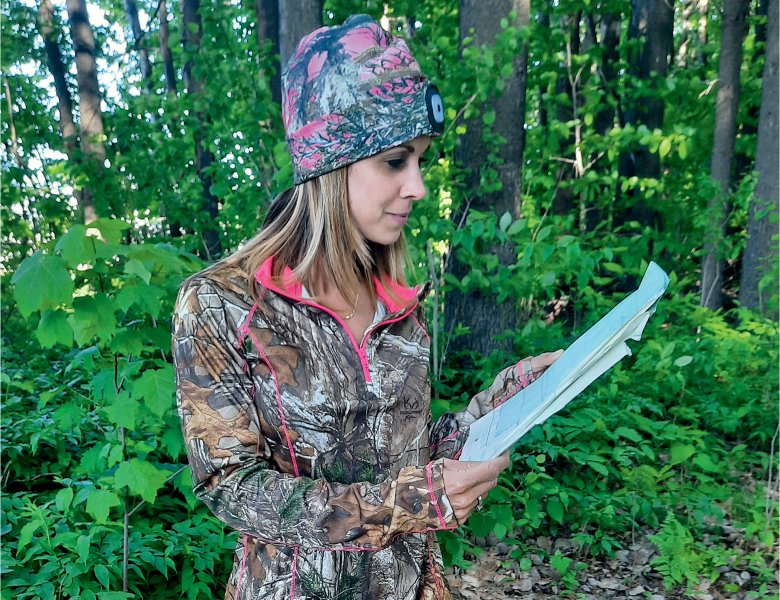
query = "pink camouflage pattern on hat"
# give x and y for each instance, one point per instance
(350, 92)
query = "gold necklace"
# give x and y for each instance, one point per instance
(351, 313)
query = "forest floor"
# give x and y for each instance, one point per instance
(628, 574)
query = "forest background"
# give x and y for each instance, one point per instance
(142, 140)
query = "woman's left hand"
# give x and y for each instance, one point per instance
(533, 366)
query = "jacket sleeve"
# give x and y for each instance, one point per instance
(449, 432)
(251, 488)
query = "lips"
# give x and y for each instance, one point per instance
(399, 217)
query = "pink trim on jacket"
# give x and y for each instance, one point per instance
(292, 289)
(432, 567)
(434, 500)
(243, 564)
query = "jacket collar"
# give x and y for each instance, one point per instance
(290, 287)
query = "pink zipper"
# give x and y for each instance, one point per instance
(359, 348)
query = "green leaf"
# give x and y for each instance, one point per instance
(137, 268)
(147, 297)
(110, 229)
(683, 361)
(505, 221)
(123, 411)
(93, 316)
(82, 547)
(41, 281)
(629, 434)
(489, 117)
(25, 536)
(101, 574)
(141, 478)
(681, 453)
(481, 524)
(665, 147)
(63, 499)
(53, 328)
(516, 227)
(705, 463)
(155, 388)
(75, 247)
(555, 509)
(100, 503)
(127, 342)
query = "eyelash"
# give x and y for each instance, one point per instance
(396, 163)
(399, 163)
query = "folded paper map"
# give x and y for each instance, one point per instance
(591, 355)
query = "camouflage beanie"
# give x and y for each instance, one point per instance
(350, 92)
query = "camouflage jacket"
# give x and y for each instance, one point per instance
(317, 447)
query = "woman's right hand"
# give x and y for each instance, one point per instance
(467, 482)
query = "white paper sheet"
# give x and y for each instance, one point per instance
(592, 354)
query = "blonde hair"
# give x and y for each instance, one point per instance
(310, 229)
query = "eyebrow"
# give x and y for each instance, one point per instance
(410, 149)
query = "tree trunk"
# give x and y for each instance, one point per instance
(165, 50)
(296, 19)
(608, 41)
(651, 22)
(479, 312)
(563, 201)
(192, 29)
(760, 257)
(267, 13)
(146, 67)
(90, 116)
(57, 69)
(727, 103)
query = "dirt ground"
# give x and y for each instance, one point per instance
(626, 575)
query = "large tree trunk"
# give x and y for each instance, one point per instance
(760, 257)
(192, 29)
(57, 69)
(146, 67)
(479, 312)
(296, 19)
(651, 22)
(267, 14)
(90, 116)
(727, 103)
(165, 50)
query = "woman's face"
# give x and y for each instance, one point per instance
(382, 189)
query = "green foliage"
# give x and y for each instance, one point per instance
(99, 423)
(674, 441)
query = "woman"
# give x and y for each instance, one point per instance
(301, 363)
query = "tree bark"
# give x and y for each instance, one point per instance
(563, 201)
(727, 103)
(57, 69)
(297, 18)
(165, 50)
(267, 13)
(192, 31)
(760, 256)
(479, 312)
(90, 115)
(651, 22)
(146, 67)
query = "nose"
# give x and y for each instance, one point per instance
(414, 187)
